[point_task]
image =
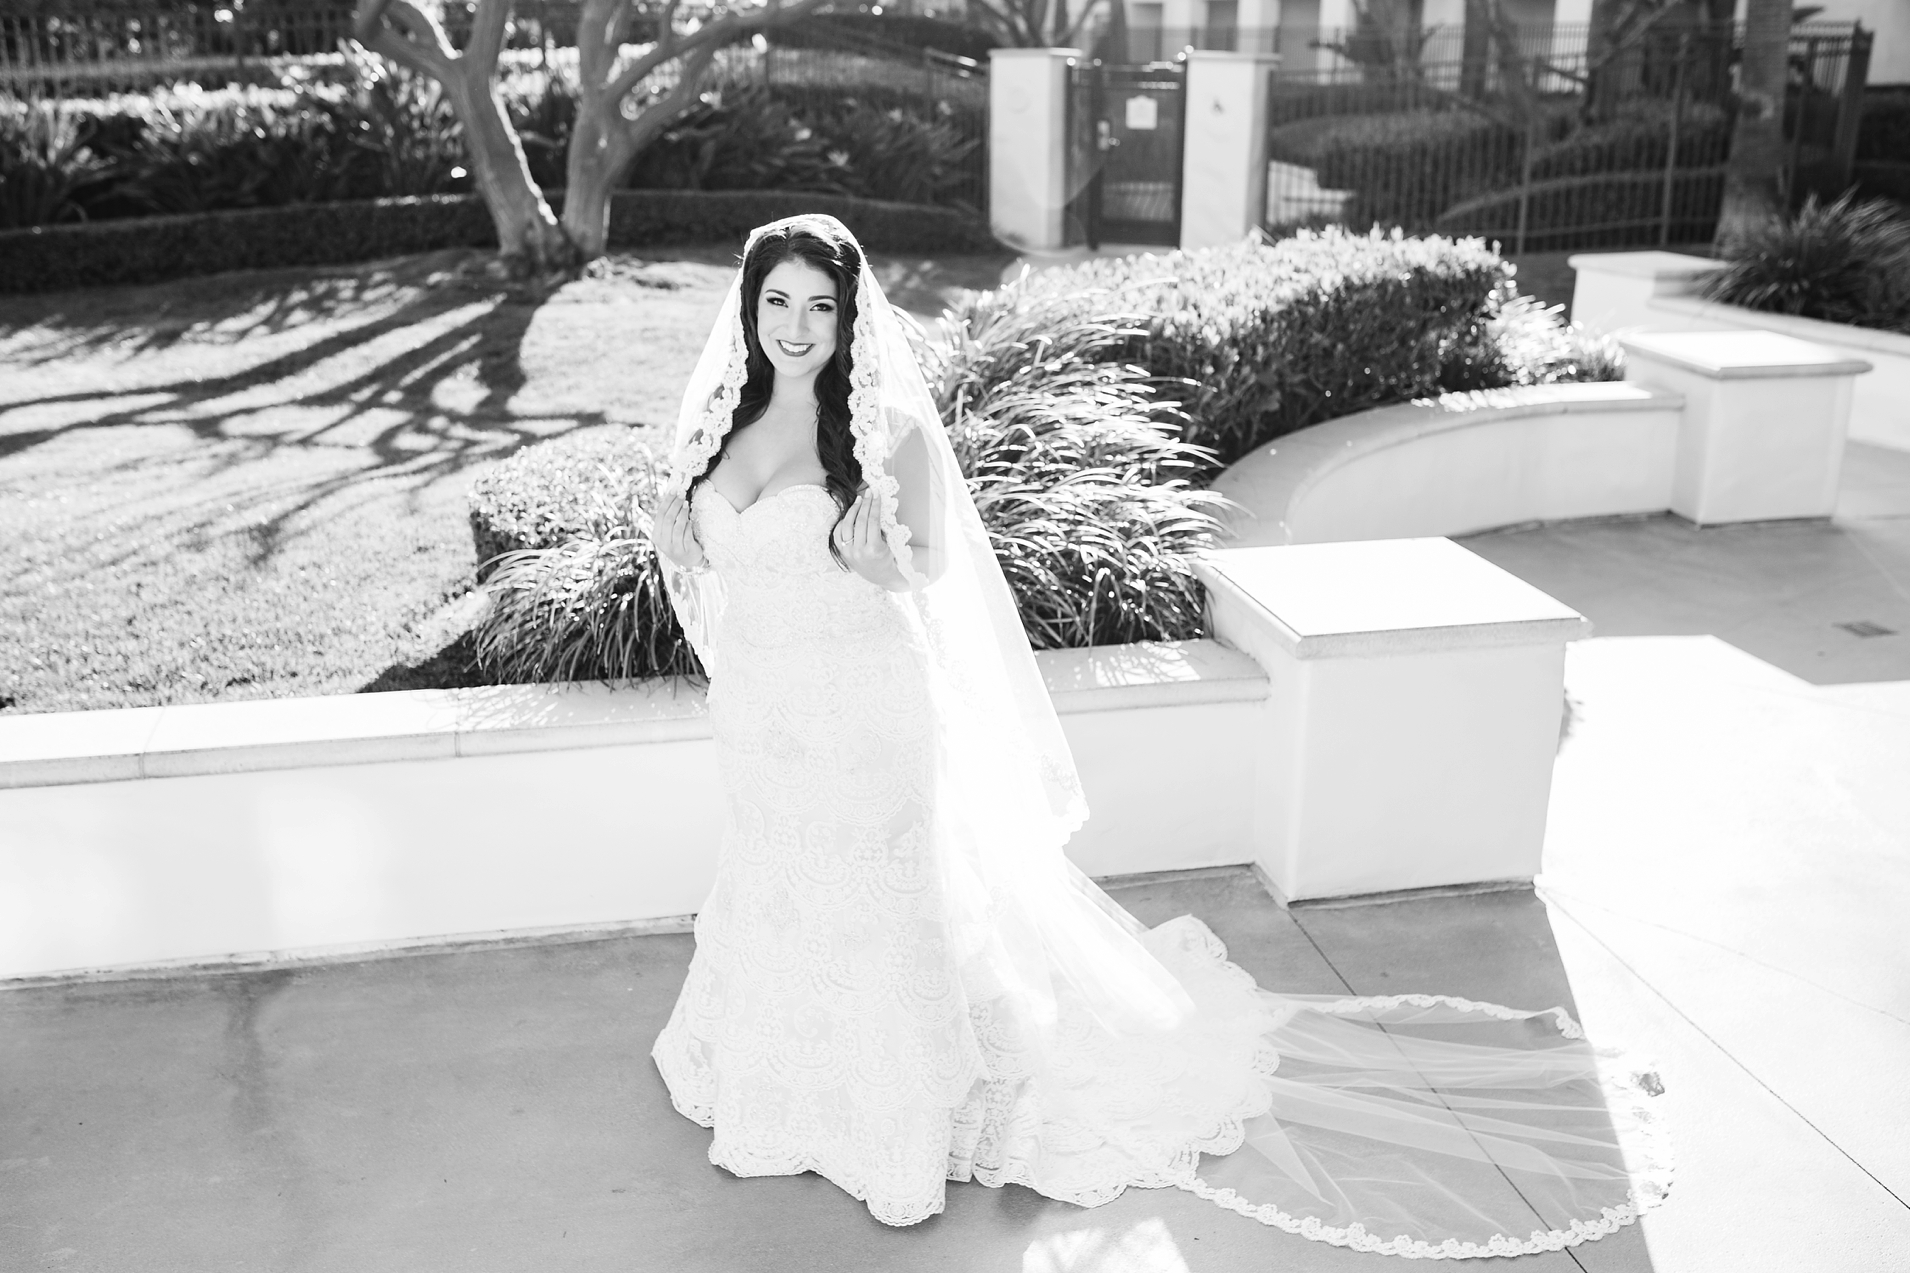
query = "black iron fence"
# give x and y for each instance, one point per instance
(83, 50)
(1536, 140)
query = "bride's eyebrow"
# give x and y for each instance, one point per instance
(819, 296)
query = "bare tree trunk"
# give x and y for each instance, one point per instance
(1754, 181)
(530, 240)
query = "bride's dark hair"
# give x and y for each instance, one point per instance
(818, 243)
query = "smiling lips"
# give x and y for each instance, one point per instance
(795, 351)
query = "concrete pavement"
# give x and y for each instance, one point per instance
(1727, 871)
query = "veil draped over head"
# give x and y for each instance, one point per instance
(1412, 1125)
(1010, 796)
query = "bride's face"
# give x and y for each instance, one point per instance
(796, 318)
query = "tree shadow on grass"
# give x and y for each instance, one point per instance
(221, 308)
(421, 390)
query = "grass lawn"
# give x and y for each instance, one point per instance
(253, 485)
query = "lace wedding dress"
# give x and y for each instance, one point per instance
(899, 981)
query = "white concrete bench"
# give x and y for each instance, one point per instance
(372, 821)
(1416, 692)
(1716, 427)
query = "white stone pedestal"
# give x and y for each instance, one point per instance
(1224, 155)
(1416, 692)
(1027, 145)
(1764, 423)
(1613, 291)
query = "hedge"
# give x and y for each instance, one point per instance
(1257, 341)
(1402, 167)
(154, 249)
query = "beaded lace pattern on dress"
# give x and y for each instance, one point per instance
(899, 981)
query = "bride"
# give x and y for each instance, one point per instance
(899, 978)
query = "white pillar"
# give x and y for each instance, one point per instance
(1224, 154)
(1413, 711)
(1028, 145)
(1765, 418)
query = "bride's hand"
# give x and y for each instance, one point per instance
(673, 534)
(860, 541)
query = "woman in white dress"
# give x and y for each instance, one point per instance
(900, 980)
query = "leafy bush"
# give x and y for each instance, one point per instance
(753, 137)
(46, 165)
(1637, 140)
(365, 130)
(1527, 342)
(1843, 262)
(583, 597)
(1259, 340)
(152, 249)
(1404, 167)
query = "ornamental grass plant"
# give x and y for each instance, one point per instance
(1841, 262)
(1077, 468)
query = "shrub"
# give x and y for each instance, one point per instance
(1527, 342)
(364, 130)
(1637, 140)
(1259, 340)
(1085, 494)
(1404, 167)
(752, 137)
(1842, 262)
(551, 493)
(46, 165)
(152, 249)
(584, 599)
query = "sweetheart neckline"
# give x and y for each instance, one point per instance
(763, 499)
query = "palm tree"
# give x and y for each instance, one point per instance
(1754, 181)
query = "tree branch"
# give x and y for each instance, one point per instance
(399, 30)
(599, 35)
(711, 37)
(631, 134)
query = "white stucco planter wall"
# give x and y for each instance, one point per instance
(1461, 463)
(1656, 291)
(1413, 713)
(139, 837)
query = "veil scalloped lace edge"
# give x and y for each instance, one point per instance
(1651, 1177)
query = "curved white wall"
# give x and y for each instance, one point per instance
(1461, 463)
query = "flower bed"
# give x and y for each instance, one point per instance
(1087, 406)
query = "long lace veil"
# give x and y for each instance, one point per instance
(1413, 1125)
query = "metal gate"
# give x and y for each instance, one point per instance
(1125, 129)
